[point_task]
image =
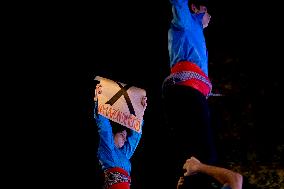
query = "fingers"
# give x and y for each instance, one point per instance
(180, 182)
(194, 159)
(98, 91)
(99, 88)
(186, 174)
(144, 102)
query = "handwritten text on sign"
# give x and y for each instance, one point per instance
(121, 103)
(116, 115)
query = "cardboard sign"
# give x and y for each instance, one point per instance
(121, 103)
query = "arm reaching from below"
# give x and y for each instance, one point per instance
(225, 176)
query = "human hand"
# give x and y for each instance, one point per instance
(191, 166)
(180, 182)
(98, 91)
(144, 102)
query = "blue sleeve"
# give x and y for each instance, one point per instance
(132, 142)
(182, 17)
(104, 130)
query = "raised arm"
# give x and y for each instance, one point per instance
(98, 91)
(225, 176)
(133, 140)
(182, 17)
(131, 143)
(103, 124)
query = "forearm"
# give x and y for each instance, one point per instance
(132, 143)
(104, 126)
(224, 176)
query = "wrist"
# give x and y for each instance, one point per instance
(201, 167)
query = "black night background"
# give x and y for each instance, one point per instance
(126, 41)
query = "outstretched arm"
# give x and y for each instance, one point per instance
(224, 176)
(182, 17)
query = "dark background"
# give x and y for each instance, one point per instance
(68, 44)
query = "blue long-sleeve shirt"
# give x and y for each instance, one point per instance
(186, 41)
(108, 154)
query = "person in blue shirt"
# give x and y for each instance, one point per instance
(227, 178)
(187, 87)
(117, 144)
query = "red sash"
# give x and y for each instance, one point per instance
(194, 83)
(117, 178)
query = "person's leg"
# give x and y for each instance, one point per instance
(189, 124)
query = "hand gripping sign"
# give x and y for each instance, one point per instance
(121, 103)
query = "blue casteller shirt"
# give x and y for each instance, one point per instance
(186, 41)
(108, 154)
